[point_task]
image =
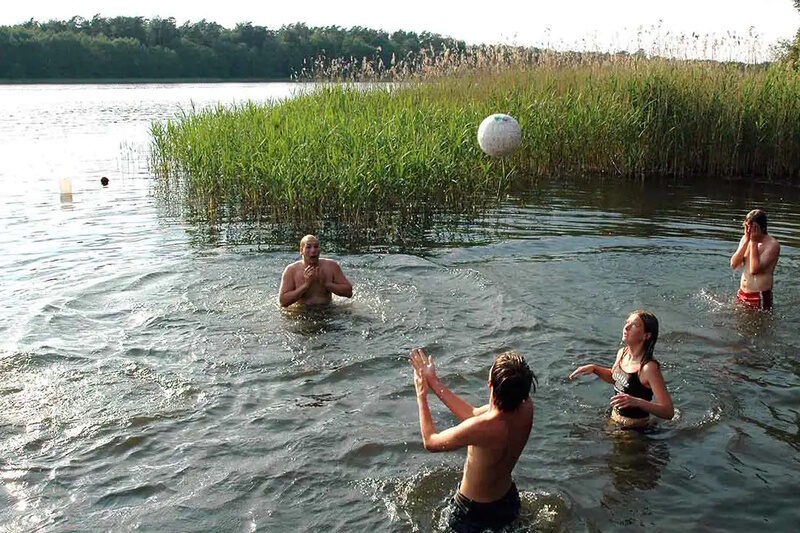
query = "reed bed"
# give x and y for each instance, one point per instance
(352, 151)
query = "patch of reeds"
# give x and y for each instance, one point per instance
(353, 151)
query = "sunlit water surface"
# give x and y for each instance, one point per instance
(149, 380)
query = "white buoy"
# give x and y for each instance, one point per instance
(66, 186)
(66, 190)
(499, 135)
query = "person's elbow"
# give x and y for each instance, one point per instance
(667, 412)
(429, 447)
(345, 290)
(432, 444)
(284, 300)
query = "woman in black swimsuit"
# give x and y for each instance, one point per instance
(636, 376)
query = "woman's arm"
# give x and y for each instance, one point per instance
(602, 372)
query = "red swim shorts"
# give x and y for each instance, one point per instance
(756, 300)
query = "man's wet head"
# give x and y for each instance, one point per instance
(756, 216)
(309, 249)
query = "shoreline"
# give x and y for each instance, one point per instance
(139, 81)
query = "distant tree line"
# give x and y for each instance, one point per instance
(136, 47)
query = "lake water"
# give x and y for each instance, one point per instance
(149, 379)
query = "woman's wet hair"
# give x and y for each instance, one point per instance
(650, 326)
(759, 217)
(511, 379)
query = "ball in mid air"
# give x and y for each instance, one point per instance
(499, 135)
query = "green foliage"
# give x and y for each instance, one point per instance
(337, 150)
(793, 47)
(344, 151)
(793, 54)
(134, 47)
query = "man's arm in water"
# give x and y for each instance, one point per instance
(340, 286)
(289, 294)
(426, 368)
(473, 431)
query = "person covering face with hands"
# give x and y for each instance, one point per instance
(758, 254)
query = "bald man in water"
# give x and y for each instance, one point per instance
(494, 435)
(312, 279)
(758, 253)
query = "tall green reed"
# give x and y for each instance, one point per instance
(354, 151)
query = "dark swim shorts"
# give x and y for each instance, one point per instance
(469, 516)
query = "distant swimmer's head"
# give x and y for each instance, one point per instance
(510, 379)
(309, 249)
(641, 327)
(759, 217)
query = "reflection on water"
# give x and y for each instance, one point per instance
(637, 460)
(314, 320)
(753, 322)
(398, 232)
(676, 212)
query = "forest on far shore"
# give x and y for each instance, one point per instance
(140, 48)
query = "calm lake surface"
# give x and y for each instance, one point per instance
(149, 379)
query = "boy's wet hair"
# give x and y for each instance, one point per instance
(511, 379)
(759, 217)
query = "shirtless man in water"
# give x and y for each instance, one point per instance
(312, 280)
(758, 252)
(494, 434)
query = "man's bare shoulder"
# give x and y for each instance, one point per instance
(524, 413)
(329, 265)
(323, 262)
(494, 423)
(292, 267)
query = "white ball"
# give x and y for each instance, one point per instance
(499, 135)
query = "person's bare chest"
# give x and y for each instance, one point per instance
(324, 275)
(760, 251)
